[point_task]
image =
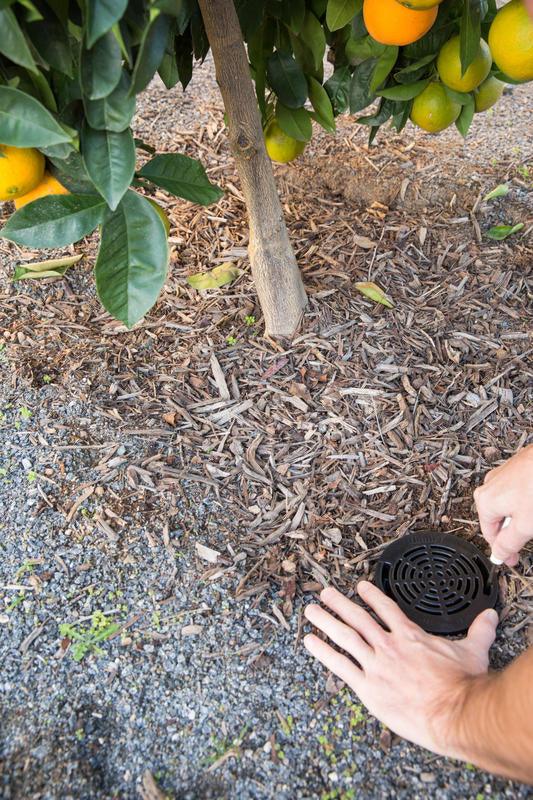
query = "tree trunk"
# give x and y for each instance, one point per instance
(274, 269)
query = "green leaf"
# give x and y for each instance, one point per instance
(25, 122)
(55, 221)
(71, 172)
(216, 277)
(151, 53)
(101, 16)
(500, 191)
(339, 13)
(109, 159)
(470, 33)
(322, 104)
(358, 50)
(181, 176)
(464, 120)
(295, 122)
(463, 98)
(13, 44)
(52, 42)
(46, 95)
(383, 67)
(114, 112)
(101, 67)
(313, 37)
(287, 79)
(361, 94)
(404, 92)
(374, 292)
(385, 110)
(131, 267)
(180, 9)
(405, 75)
(338, 89)
(500, 232)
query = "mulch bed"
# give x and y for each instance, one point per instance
(370, 423)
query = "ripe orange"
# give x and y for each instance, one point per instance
(48, 185)
(449, 65)
(420, 5)
(21, 169)
(488, 93)
(390, 22)
(433, 110)
(279, 146)
(511, 41)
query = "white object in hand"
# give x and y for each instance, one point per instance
(498, 561)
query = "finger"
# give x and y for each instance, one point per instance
(354, 615)
(490, 520)
(336, 662)
(339, 633)
(511, 539)
(482, 631)
(385, 608)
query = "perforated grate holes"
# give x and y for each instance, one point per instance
(440, 581)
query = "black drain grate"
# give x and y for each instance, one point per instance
(441, 582)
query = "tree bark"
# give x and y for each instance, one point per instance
(274, 269)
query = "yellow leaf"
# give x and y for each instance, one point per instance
(218, 276)
(373, 292)
(52, 263)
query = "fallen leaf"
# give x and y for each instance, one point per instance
(500, 232)
(207, 553)
(216, 277)
(364, 242)
(191, 630)
(52, 268)
(373, 292)
(170, 418)
(500, 191)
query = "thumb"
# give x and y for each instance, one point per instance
(510, 539)
(482, 631)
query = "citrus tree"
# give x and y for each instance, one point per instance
(71, 70)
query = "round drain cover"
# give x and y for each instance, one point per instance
(439, 581)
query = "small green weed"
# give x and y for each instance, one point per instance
(231, 340)
(87, 640)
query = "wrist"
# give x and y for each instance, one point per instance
(472, 721)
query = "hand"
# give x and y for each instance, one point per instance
(507, 492)
(413, 682)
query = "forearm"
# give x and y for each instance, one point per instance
(495, 722)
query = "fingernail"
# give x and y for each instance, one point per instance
(497, 561)
(492, 615)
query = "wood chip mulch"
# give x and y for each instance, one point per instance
(316, 452)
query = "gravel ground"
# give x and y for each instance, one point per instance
(214, 697)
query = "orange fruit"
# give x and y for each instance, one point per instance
(281, 147)
(21, 169)
(488, 93)
(420, 5)
(48, 185)
(511, 41)
(390, 22)
(449, 65)
(433, 110)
